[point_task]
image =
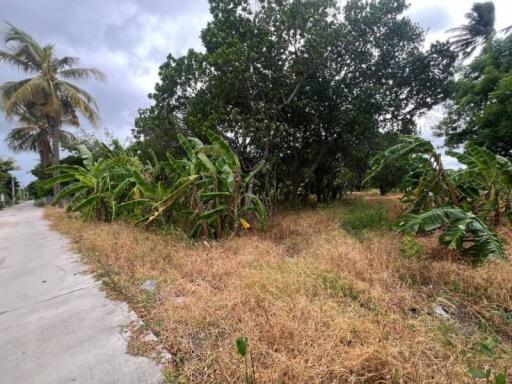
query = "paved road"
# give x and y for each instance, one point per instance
(56, 326)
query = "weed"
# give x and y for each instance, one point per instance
(242, 344)
(361, 217)
(409, 247)
(173, 377)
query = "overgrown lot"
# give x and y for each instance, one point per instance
(317, 304)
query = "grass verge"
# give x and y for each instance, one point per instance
(317, 304)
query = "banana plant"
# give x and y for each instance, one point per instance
(208, 187)
(428, 184)
(462, 230)
(463, 203)
(205, 192)
(485, 182)
(96, 187)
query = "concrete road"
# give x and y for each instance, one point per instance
(56, 326)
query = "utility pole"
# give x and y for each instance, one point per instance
(13, 190)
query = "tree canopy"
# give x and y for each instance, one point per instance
(304, 85)
(480, 108)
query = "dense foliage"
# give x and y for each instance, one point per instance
(480, 108)
(204, 193)
(7, 179)
(302, 85)
(464, 203)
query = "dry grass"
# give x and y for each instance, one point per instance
(317, 305)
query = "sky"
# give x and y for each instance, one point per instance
(129, 39)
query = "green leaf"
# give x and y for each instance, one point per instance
(241, 345)
(228, 154)
(185, 144)
(215, 195)
(208, 215)
(207, 163)
(133, 204)
(169, 200)
(141, 183)
(500, 378)
(254, 172)
(478, 373)
(259, 208)
(68, 168)
(71, 189)
(59, 179)
(86, 155)
(460, 227)
(86, 203)
(121, 187)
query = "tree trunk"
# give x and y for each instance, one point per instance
(56, 159)
(247, 200)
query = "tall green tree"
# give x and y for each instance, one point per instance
(480, 108)
(49, 88)
(304, 85)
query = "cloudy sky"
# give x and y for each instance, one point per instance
(129, 39)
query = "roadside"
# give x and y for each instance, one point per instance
(56, 325)
(325, 295)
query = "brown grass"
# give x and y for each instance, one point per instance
(317, 305)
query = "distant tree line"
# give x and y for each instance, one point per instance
(311, 89)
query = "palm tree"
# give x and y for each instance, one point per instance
(48, 88)
(478, 31)
(33, 134)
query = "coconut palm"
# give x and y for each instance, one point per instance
(48, 87)
(478, 31)
(33, 134)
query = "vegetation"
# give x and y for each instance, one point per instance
(286, 288)
(204, 193)
(48, 97)
(7, 179)
(363, 217)
(272, 131)
(463, 203)
(297, 84)
(479, 30)
(479, 109)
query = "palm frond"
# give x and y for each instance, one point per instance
(8, 88)
(66, 61)
(479, 29)
(15, 34)
(80, 100)
(23, 139)
(25, 93)
(24, 47)
(17, 61)
(82, 73)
